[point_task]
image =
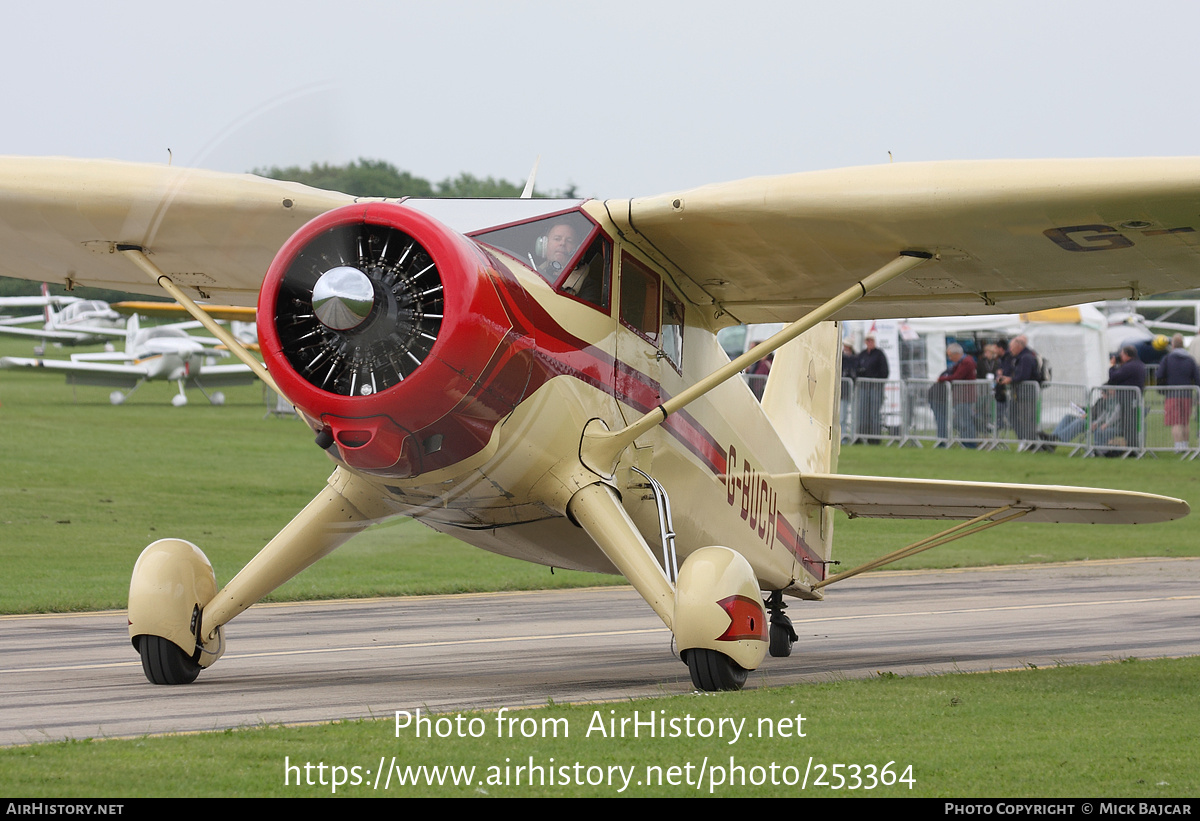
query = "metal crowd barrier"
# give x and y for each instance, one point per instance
(878, 411)
(757, 383)
(1116, 421)
(1061, 406)
(1167, 410)
(925, 413)
(1105, 421)
(847, 411)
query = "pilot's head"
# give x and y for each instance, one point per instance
(561, 242)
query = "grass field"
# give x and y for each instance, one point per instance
(87, 485)
(1114, 730)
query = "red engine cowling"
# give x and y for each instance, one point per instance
(395, 334)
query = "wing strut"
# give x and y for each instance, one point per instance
(968, 528)
(600, 450)
(139, 258)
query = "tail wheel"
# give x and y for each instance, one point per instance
(783, 636)
(164, 663)
(712, 671)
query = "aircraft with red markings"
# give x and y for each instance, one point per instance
(542, 378)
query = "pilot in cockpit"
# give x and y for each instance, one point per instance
(556, 249)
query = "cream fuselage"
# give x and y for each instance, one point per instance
(731, 476)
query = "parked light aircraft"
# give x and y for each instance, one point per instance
(541, 378)
(42, 301)
(69, 320)
(240, 318)
(66, 320)
(166, 352)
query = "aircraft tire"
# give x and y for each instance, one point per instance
(712, 671)
(164, 663)
(782, 638)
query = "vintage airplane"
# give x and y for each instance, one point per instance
(65, 320)
(540, 377)
(166, 352)
(46, 299)
(69, 320)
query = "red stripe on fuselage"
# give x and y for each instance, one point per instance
(559, 353)
(798, 547)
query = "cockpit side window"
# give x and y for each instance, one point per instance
(590, 279)
(568, 250)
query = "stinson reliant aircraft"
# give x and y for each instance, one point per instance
(541, 378)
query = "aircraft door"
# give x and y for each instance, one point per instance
(650, 329)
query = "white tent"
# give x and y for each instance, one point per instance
(1072, 339)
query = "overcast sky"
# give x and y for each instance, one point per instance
(619, 98)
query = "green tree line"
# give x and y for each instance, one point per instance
(379, 178)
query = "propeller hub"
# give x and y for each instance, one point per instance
(343, 297)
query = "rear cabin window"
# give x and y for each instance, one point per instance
(639, 298)
(672, 327)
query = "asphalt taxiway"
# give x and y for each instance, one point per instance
(77, 676)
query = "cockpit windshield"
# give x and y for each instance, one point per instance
(548, 245)
(566, 249)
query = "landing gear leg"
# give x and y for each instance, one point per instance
(176, 613)
(783, 636)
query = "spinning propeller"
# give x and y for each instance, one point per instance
(359, 309)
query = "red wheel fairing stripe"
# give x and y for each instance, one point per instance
(747, 619)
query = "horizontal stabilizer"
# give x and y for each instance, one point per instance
(890, 498)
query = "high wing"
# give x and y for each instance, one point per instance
(888, 498)
(61, 220)
(1007, 236)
